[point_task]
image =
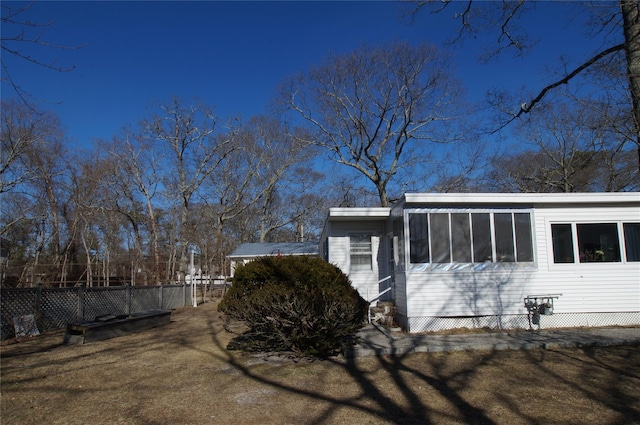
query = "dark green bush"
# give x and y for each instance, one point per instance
(293, 303)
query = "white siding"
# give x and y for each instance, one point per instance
(591, 287)
(339, 252)
(585, 288)
(466, 293)
(365, 282)
(425, 297)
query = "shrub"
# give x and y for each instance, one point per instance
(293, 303)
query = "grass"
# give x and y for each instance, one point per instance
(181, 373)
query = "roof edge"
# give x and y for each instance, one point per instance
(522, 198)
(372, 212)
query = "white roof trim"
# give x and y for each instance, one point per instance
(521, 198)
(373, 212)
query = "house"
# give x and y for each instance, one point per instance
(495, 260)
(250, 251)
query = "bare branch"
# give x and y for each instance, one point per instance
(527, 107)
(505, 24)
(15, 44)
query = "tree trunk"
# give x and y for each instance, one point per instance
(382, 193)
(153, 225)
(631, 19)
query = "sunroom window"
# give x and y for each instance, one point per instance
(481, 231)
(504, 238)
(470, 237)
(461, 238)
(419, 238)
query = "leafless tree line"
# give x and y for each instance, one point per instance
(391, 118)
(138, 204)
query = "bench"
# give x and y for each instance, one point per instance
(111, 326)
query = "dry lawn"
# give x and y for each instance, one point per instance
(181, 374)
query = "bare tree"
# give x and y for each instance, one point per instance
(569, 152)
(20, 132)
(285, 174)
(193, 152)
(19, 35)
(377, 109)
(460, 169)
(37, 169)
(133, 178)
(228, 196)
(617, 23)
(256, 191)
(234, 190)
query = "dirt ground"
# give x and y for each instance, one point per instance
(181, 373)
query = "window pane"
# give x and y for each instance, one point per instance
(360, 252)
(418, 238)
(360, 262)
(524, 240)
(440, 238)
(360, 248)
(632, 241)
(481, 237)
(504, 237)
(598, 243)
(461, 238)
(562, 243)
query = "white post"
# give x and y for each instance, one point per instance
(369, 308)
(194, 293)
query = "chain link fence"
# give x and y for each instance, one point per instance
(54, 308)
(524, 321)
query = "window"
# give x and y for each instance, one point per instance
(524, 238)
(419, 238)
(632, 241)
(504, 238)
(482, 249)
(440, 245)
(360, 253)
(598, 242)
(466, 238)
(461, 238)
(562, 243)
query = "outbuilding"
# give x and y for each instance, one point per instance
(495, 260)
(250, 251)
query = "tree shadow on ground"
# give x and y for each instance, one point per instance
(148, 376)
(403, 389)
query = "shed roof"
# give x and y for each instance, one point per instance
(274, 248)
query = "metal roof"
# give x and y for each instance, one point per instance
(275, 248)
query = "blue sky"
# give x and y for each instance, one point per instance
(233, 55)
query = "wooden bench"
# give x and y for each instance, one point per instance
(110, 326)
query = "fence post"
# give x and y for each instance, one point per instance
(80, 303)
(37, 308)
(128, 300)
(160, 296)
